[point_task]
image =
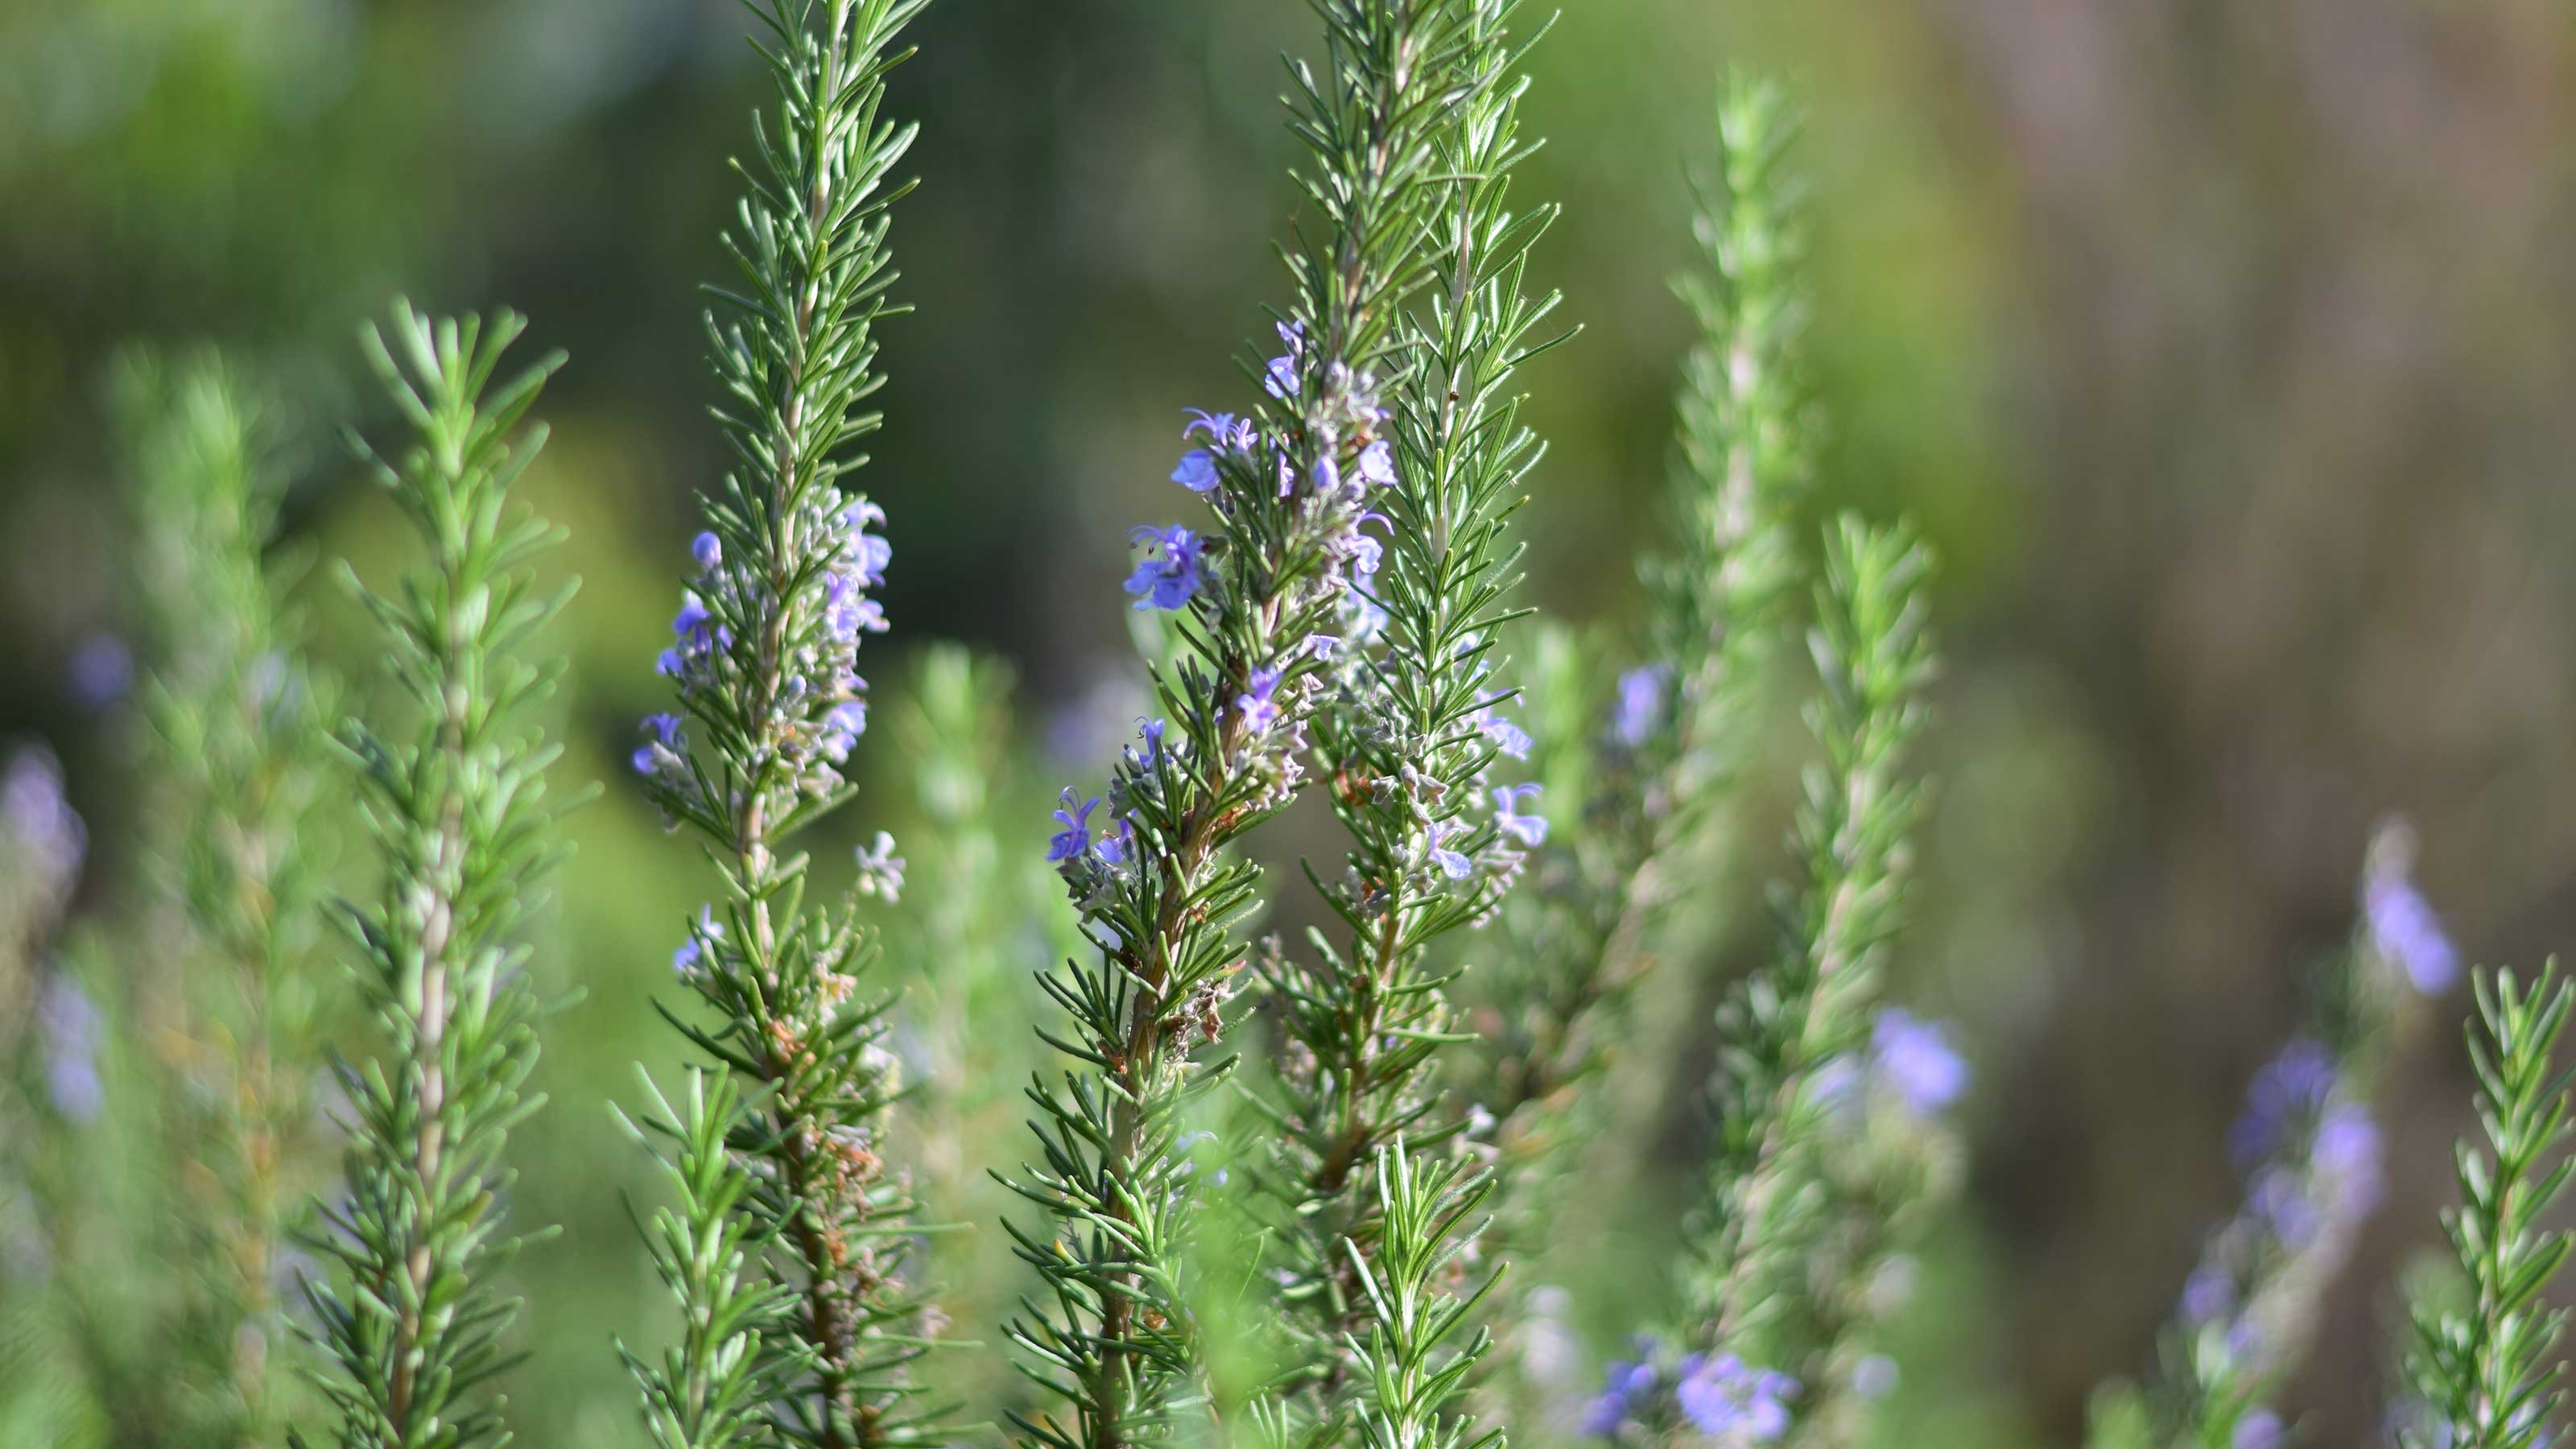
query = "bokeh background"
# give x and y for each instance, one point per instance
(2227, 354)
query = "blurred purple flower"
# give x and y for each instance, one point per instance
(2208, 1295)
(2289, 1089)
(1625, 1387)
(1641, 704)
(69, 1025)
(35, 812)
(2258, 1429)
(2405, 930)
(100, 671)
(1723, 1395)
(1916, 1058)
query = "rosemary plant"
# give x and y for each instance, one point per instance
(1408, 734)
(237, 751)
(2308, 1147)
(2490, 1374)
(59, 1371)
(416, 1320)
(1809, 1059)
(765, 668)
(1260, 603)
(1676, 735)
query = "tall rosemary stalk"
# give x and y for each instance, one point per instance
(1259, 603)
(765, 667)
(1676, 734)
(415, 1316)
(1407, 738)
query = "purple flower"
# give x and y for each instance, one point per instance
(101, 670)
(1151, 732)
(1625, 1386)
(1169, 573)
(69, 1025)
(1722, 1395)
(1915, 1057)
(870, 555)
(1377, 464)
(1224, 430)
(2405, 930)
(1453, 864)
(1260, 711)
(684, 961)
(691, 622)
(2282, 1203)
(841, 729)
(1528, 829)
(33, 807)
(2259, 1429)
(2208, 1295)
(1117, 843)
(666, 739)
(1197, 471)
(708, 550)
(2347, 1156)
(1641, 704)
(1075, 838)
(847, 612)
(1508, 737)
(1281, 375)
(2291, 1088)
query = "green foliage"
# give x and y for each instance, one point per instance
(415, 1315)
(2490, 1374)
(1411, 1368)
(711, 1390)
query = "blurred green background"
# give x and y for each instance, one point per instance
(2226, 352)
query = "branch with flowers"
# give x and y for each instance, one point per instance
(770, 703)
(1259, 604)
(1407, 738)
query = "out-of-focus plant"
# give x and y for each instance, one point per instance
(2308, 1148)
(414, 1313)
(201, 1005)
(765, 668)
(52, 1089)
(1644, 783)
(238, 757)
